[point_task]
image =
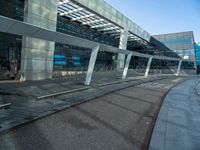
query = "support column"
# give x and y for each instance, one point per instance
(128, 59)
(91, 65)
(37, 55)
(179, 68)
(148, 66)
(122, 45)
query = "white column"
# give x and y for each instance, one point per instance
(128, 59)
(122, 45)
(148, 66)
(91, 65)
(179, 68)
(37, 55)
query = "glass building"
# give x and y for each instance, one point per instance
(181, 43)
(84, 19)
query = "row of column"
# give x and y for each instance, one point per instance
(37, 54)
(93, 58)
(122, 45)
(149, 65)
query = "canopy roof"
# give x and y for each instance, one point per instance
(77, 10)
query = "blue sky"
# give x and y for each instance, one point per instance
(162, 16)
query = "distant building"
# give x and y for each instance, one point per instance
(181, 43)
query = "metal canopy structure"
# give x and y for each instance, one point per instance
(22, 28)
(13, 26)
(100, 16)
(75, 11)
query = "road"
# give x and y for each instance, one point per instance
(121, 120)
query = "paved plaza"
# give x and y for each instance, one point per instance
(121, 116)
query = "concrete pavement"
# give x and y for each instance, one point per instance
(119, 120)
(177, 126)
(25, 106)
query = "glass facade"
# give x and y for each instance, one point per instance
(12, 9)
(197, 48)
(181, 44)
(70, 58)
(65, 25)
(77, 58)
(10, 45)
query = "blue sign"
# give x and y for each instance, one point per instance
(197, 46)
(58, 56)
(60, 60)
(75, 58)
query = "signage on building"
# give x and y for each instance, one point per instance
(197, 46)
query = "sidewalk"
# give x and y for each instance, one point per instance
(177, 126)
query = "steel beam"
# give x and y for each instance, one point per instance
(63, 2)
(12, 26)
(83, 17)
(113, 31)
(128, 59)
(115, 34)
(91, 65)
(101, 25)
(92, 22)
(71, 11)
(179, 68)
(148, 66)
(108, 29)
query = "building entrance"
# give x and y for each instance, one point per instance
(10, 56)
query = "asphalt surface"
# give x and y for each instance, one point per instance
(25, 107)
(121, 120)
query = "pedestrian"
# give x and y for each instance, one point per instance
(12, 71)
